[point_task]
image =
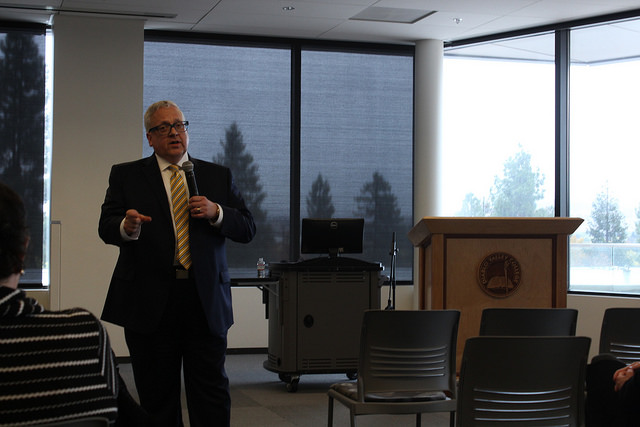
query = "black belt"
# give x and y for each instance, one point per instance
(181, 273)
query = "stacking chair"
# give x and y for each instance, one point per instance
(406, 365)
(522, 381)
(80, 422)
(620, 333)
(528, 321)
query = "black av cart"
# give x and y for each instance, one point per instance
(315, 311)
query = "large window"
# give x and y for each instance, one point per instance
(22, 146)
(357, 147)
(354, 138)
(498, 128)
(237, 101)
(502, 92)
(605, 250)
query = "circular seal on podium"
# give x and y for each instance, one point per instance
(499, 274)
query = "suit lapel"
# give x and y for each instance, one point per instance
(151, 170)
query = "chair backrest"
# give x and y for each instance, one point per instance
(620, 333)
(80, 422)
(407, 351)
(522, 381)
(528, 321)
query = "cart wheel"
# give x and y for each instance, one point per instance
(285, 378)
(292, 386)
(352, 375)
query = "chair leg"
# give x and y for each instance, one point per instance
(418, 419)
(353, 418)
(452, 419)
(330, 411)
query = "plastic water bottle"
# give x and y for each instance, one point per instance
(262, 268)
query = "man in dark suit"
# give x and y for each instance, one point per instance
(175, 314)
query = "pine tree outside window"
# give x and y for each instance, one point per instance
(23, 159)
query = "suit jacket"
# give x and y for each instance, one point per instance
(144, 272)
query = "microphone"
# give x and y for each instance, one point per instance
(394, 247)
(392, 277)
(187, 167)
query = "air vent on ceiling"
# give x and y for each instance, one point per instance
(392, 14)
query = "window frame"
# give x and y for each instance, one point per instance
(296, 47)
(562, 125)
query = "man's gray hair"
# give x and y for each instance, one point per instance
(155, 107)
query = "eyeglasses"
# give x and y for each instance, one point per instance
(165, 129)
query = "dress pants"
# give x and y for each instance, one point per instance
(604, 406)
(182, 341)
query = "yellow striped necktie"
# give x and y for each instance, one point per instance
(180, 215)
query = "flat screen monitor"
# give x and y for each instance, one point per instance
(333, 236)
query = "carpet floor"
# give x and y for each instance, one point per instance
(259, 398)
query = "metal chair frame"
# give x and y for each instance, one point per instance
(407, 365)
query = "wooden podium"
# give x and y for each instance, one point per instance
(473, 263)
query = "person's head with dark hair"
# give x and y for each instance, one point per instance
(14, 236)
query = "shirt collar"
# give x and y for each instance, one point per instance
(164, 164)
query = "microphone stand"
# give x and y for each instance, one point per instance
(391, 304)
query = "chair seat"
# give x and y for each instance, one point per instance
(350, 390)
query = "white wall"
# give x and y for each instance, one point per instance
(98, 83)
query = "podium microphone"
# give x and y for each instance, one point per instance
(187, 167)
(394, 247)
(391, 304)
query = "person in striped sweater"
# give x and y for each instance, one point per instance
(54, 366)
